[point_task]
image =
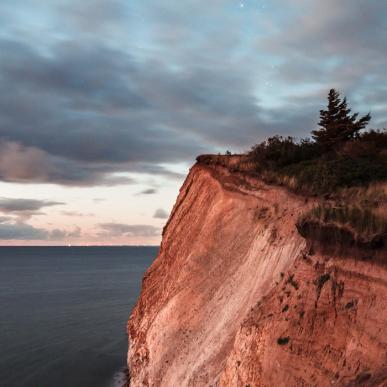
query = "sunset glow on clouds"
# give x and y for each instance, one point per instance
(105, 104)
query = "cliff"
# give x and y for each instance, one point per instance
(237, 297)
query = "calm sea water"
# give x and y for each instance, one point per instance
(63, 313)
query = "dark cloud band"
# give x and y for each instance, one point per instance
(118, 93)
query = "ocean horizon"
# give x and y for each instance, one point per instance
(64, 312)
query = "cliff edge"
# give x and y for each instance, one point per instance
(237, 297)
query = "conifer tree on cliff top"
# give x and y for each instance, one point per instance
(337, 125)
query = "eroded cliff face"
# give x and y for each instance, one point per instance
(323, 325)
(237, 298)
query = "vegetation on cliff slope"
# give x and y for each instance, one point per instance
(343, 164)
(340, 154)
(306, 168)
(348, 225)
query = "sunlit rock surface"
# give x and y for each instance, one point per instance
(237, 298)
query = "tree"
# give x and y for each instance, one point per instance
(337, 125)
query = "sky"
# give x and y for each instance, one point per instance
(106, 103)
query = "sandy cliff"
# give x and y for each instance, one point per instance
(236, 297)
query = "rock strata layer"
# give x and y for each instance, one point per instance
(237, 298)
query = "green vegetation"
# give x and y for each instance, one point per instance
(306, 168)
(337, 125)
(339, 156)
(345, 225)
(343, 165)
(332, 172)
(361, 221)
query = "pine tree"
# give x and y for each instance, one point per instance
(337, 125)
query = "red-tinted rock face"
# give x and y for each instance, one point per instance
(323, 325)
(233, 299)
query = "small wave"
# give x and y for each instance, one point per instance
(120, 379)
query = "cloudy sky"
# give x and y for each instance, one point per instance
(106, 103)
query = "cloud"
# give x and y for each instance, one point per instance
(331, 28)
(11, 230)
(25, 208)
(120, 229)
(24, 164)
(161, 214)
(321, 46)
(76, 214)
(148, 191)
(95, 93)
(90, 116)
(58, 234)
(99, 200)
(82, 112)
(21, 231)
(20, 205)
(5, 219)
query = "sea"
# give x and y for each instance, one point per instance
(63, 313)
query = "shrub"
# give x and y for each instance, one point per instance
(340, 157)
(277, 152)
(304, 168)
(328, 174)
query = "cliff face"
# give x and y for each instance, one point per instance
(236, 298)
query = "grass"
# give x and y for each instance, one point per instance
(361, 221)
(326, 176)
(373, 197)
(323, 175)
(345, 226)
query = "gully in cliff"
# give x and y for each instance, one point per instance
(272, 268)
